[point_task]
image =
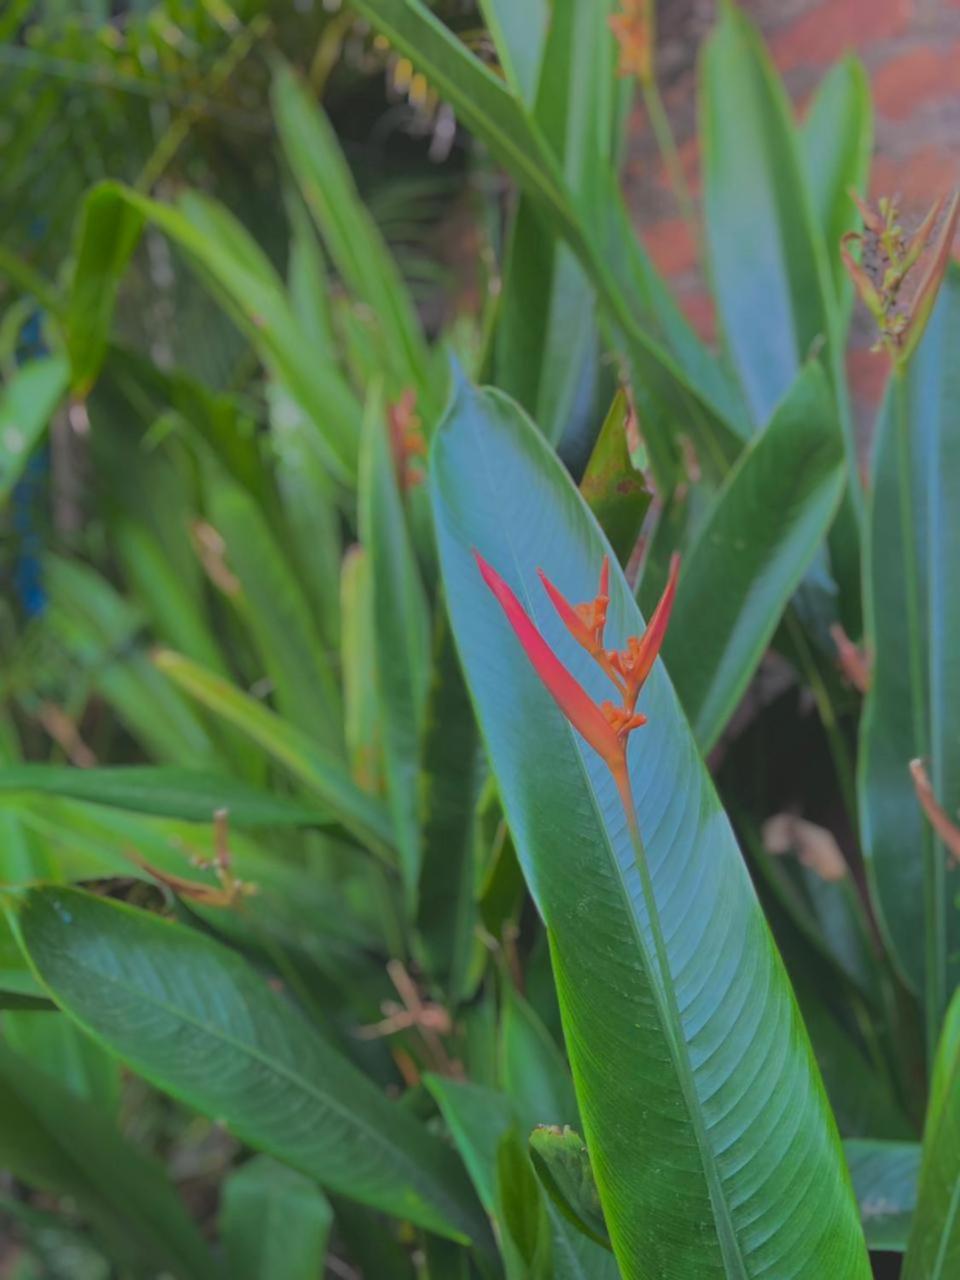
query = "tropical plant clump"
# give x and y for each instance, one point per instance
(367, 907)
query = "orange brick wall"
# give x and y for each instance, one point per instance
(911, 50)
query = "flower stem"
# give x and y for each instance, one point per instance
(934, 931)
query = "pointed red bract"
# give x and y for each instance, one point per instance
(636, 661)
(585, 622)
(569, 695)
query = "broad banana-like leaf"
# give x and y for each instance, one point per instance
(711, 1137)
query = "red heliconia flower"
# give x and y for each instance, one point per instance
(569, 695)
(606, 727)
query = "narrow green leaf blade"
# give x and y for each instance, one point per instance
(360, 814)
(681, 1115)
(518, 32)
(401, 638)
(349, 232)
(228, 258)
(165, 791)
(767, 263)
(836, 139)
(672, 371)
(751, 553)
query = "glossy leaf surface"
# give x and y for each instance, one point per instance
(714, 1150)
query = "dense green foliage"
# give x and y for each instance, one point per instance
(327, 944)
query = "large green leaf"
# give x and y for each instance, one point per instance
(274, 1223)
(885, 1180)
(751, 553)
(933, 1249)
(201, 1024)
(712, 1141)
(767, 261)
(57, 1142)
(913, 629)
(401, 638)
(27, 404)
